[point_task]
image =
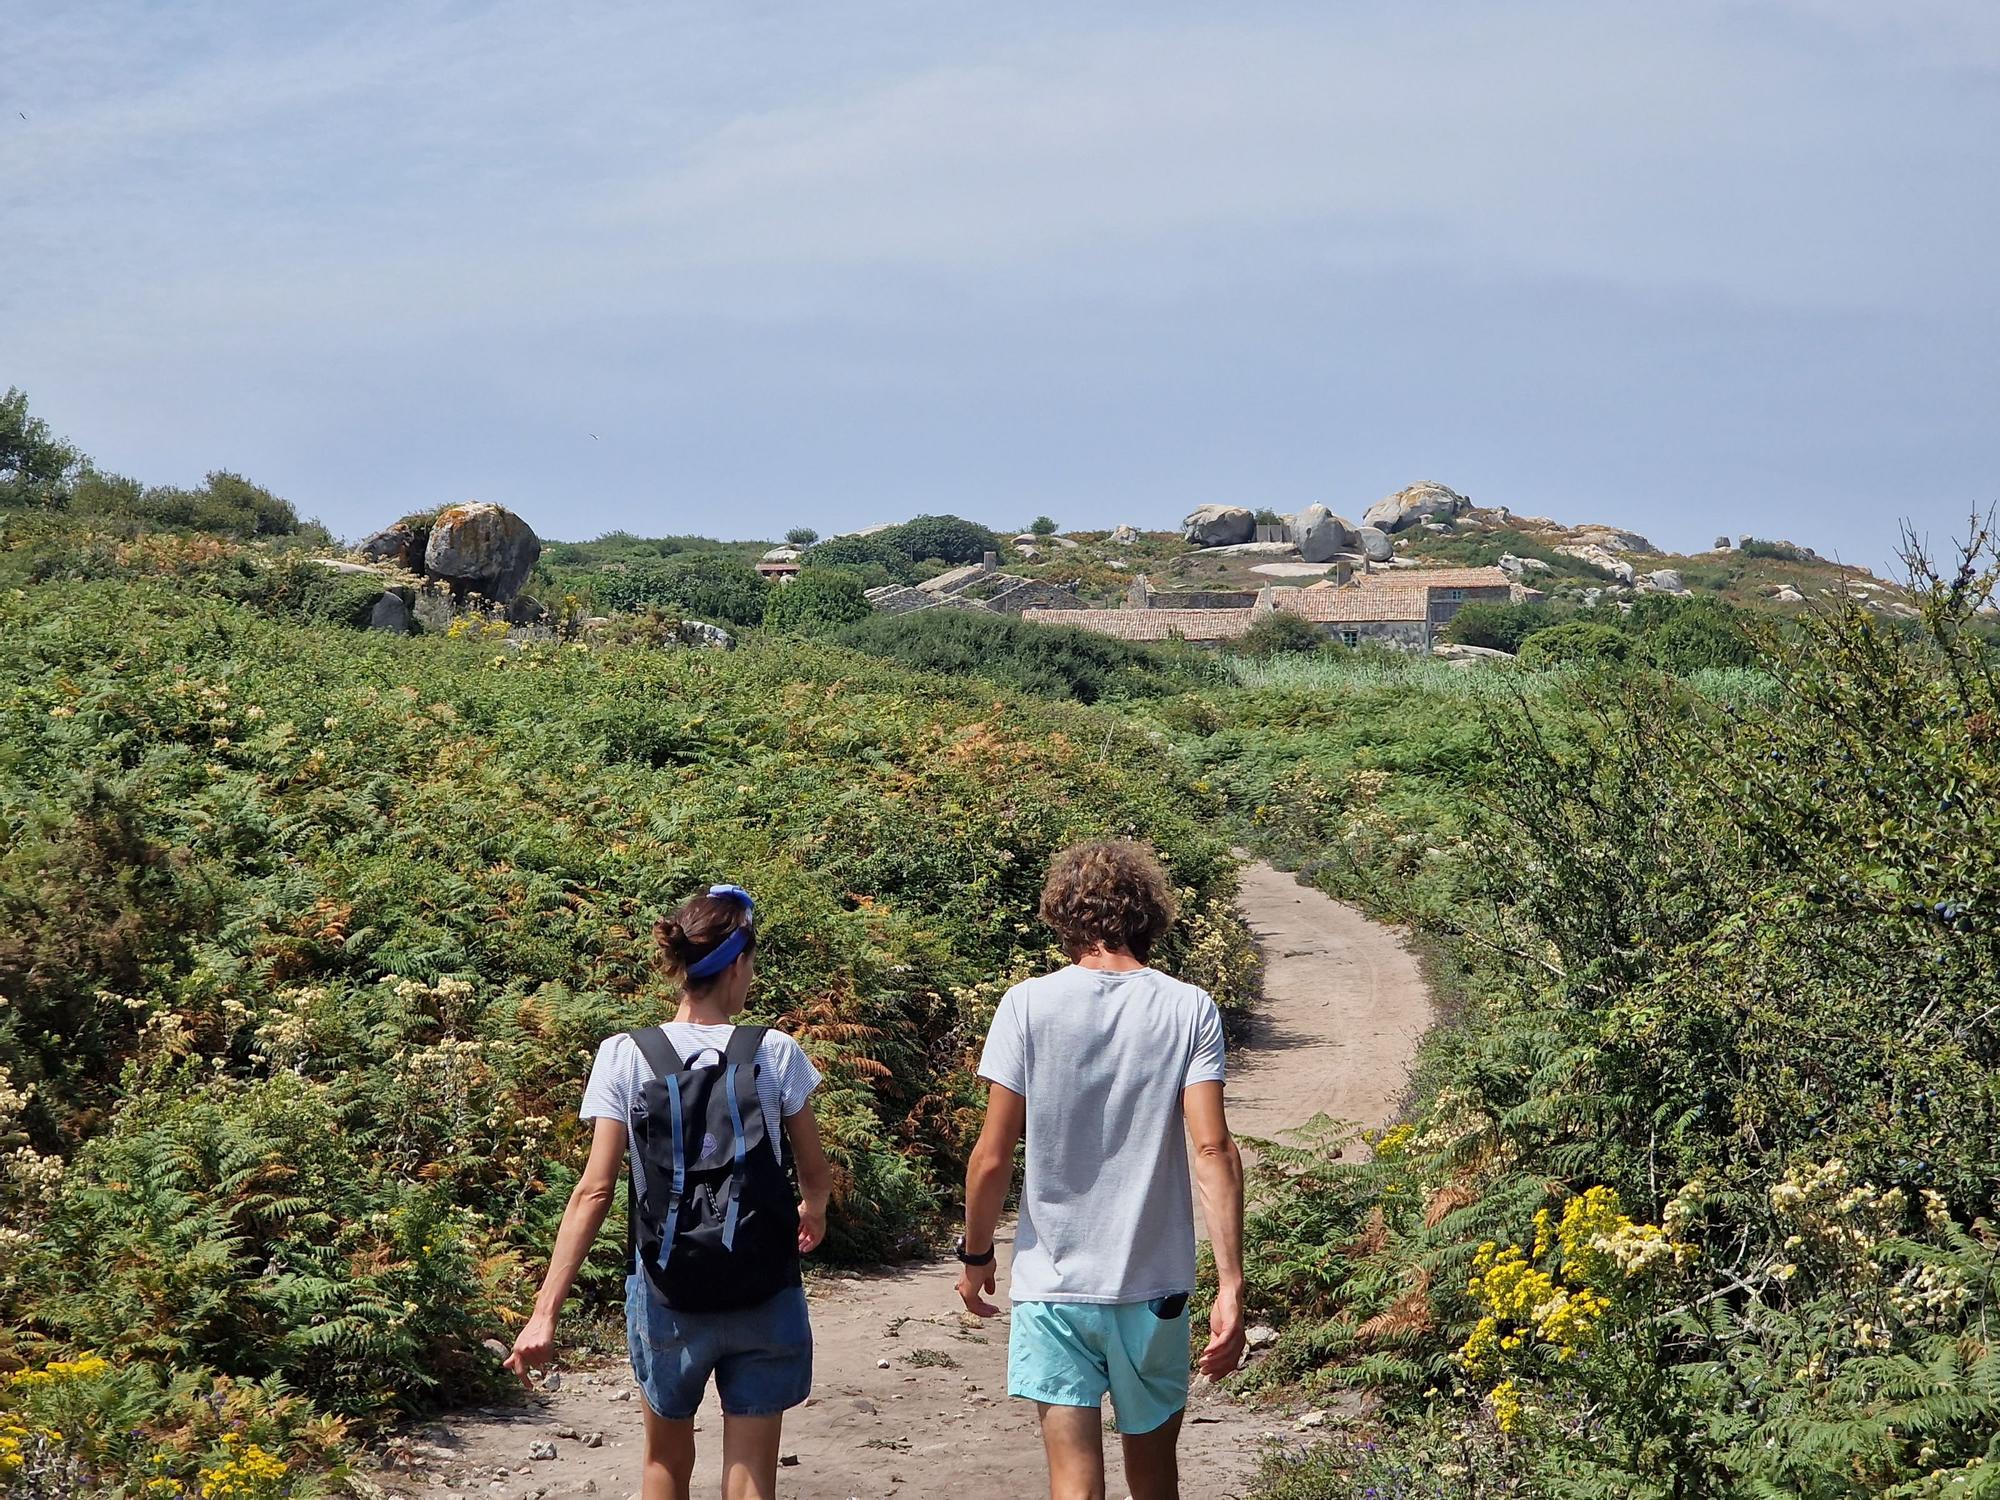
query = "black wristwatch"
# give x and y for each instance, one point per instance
(974, 1260)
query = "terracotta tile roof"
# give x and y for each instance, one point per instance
(1434, 578)
(1337, 606)
(1149, 624)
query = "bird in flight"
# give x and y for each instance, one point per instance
(593, 437)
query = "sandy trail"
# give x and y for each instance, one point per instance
(910, 1393)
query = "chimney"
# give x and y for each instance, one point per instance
(1140, 594)
(1267, 601)
(1343, 572)
(990, 561)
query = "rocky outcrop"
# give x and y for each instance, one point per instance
(1611, 539)
(391, 613)
(1666, 581)
(1321, 535)
(399, 546)
(1218, 525)
(1124, 536)
(1518, 568)
(1418, 503)
(481, 549)
(1599, 557)
(1374, 543)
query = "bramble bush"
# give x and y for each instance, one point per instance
(1698, 1199)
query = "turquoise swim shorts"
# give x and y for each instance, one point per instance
(1071, 1353)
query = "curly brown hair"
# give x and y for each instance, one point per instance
(1108, 893)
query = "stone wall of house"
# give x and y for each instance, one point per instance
(1405, 635)
(1442, 609)
(1201, 599)
(1032, 593)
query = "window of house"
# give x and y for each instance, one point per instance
(1453, 596)
(1350, 637)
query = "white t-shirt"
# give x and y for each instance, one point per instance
(1106, 1211)
(785, 1078)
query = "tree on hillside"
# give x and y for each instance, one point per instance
(1043, 526)
(865, 553)
(227, 504)
(801, 536)
(817, 602)
(950, 539)
(1690, 635)
(35, 464)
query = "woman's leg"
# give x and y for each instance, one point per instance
(750, 1457)
(669, 1457)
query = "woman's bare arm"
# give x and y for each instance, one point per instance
(815, 1175)
(589, 1202)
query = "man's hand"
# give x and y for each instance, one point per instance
(533, 1349)
(812, 1227)
(973, 1280)
(1225, 1335)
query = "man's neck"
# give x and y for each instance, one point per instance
(1108, 961)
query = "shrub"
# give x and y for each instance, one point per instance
(1692, 635)
(1500, 627)
(1698, 1199)
(801, 536)
(1581, 643)
(704, 586)
(816, 602)
(1043, 526)
(863, 553)
(1280, 633)
(947, 538)
(1045, 660)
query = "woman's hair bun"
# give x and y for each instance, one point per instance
(696, 930)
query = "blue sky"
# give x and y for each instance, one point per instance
(1699, 267)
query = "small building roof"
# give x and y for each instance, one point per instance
(1434, 578)
(1149, 624)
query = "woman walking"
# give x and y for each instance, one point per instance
(704, 1110)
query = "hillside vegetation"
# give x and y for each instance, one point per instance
(307, 934)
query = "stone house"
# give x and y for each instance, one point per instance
(977, 586)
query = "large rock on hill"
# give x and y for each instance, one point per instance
(400, 546)
(1219, 525)
(482, 549)
(1321, 535)
(1406, 508)
(1374, 544)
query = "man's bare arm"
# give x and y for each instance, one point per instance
(1218, 1172)
(987, 1177)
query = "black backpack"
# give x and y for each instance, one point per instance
(717, 1227)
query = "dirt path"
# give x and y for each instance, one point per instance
(910, 1397)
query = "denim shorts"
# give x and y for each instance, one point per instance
(762, 1356)
(1071, 1353)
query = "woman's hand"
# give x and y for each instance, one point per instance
(533, 1349)
(812, 1227)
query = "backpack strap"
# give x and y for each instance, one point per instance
(744, 1042)
(739, 1059)
(658, 1051)
(667, 1066)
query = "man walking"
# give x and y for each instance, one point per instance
(1110, 1068)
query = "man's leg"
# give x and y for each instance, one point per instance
(669, 1464)
(1152, 1461)
(1073, 1437)
(750, 1457)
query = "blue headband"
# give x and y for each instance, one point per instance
(730, 948)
